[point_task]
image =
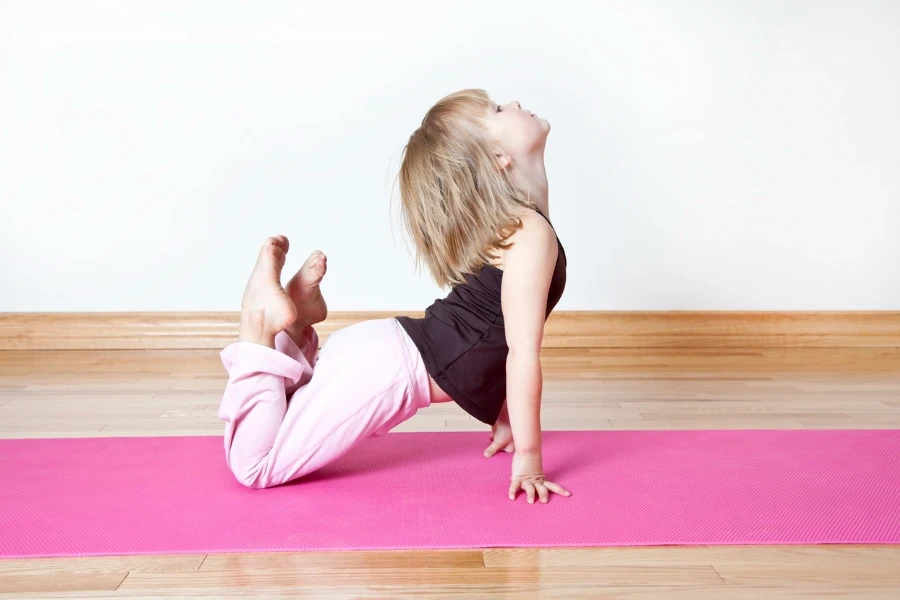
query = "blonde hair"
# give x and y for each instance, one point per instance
(456, 204)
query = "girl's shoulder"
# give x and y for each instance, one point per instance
(535, 230)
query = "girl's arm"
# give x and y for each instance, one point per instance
(528, 270)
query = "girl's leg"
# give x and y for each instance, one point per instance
(255, 401)
(368, 378)
(273, 379)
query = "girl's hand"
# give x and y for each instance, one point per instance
(528, 475)
(501, 436)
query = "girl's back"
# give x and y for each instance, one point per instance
(462, 338)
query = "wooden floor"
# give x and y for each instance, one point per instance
(114, 393)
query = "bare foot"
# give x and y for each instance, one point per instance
(303, 289)
(266, 308)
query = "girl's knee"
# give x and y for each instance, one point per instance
(250, 478)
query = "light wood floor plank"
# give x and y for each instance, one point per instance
(718, 556)
(473, 578)
(259, 561)
(508, 591)
(874, 575)
(60, 581)
(169, 563)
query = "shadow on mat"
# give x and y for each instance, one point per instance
(379, 456)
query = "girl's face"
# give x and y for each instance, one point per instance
(519, 132)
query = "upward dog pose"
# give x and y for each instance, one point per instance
(474, 199)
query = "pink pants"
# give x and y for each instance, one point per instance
(289, 412)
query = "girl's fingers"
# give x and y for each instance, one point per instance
(541, 489)
(512, 490)
(555, 488)
(529, 487)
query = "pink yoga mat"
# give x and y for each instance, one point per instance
(165, 495)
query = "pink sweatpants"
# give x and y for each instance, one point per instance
(289, 412)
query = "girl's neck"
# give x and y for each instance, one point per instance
(532, 179)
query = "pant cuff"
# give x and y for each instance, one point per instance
(246, 357)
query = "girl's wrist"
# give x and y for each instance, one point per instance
(532, 452)
(527, 463)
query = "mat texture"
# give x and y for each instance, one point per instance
(166, 495)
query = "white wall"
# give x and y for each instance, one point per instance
(708, 155)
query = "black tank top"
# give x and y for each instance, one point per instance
(463, 342)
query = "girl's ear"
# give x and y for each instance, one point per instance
(503, 160)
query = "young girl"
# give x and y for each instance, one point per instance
(474, 198)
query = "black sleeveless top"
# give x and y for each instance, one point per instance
(463, 342)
